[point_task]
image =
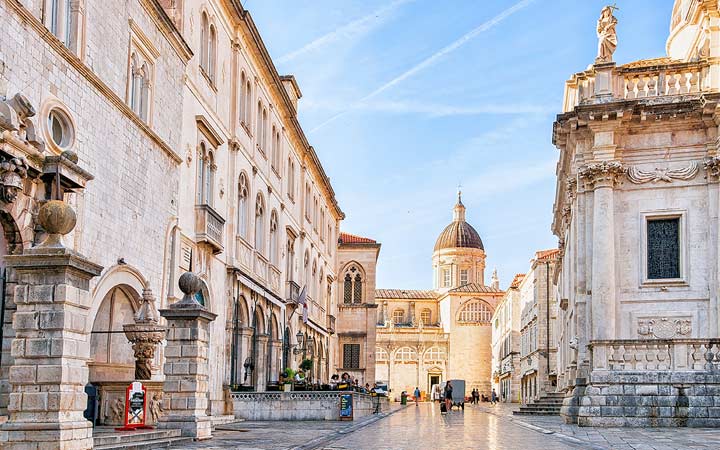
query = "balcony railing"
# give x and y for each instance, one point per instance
(260, 266)
(243, 253)
(274, 279)
(640, 81)
(209, 227)
(292, 291)
(656, 354)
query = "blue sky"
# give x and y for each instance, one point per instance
(405, 99)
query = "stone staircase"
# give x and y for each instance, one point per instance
(547, 405)
(106, 438)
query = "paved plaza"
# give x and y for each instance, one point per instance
(479, 427)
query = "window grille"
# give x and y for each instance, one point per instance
(351, 356)
(663, 248)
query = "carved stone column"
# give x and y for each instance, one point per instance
(49, 371)
(601, 178)
(145, 334)
(186, 363)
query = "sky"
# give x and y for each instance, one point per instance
(405, 100)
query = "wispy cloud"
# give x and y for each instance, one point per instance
(351, 30)
(432, 59)
(433, 109)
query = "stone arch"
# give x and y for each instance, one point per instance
(353, 283)
(13, 239)
(475, 311)
(117, 275)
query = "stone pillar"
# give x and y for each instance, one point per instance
(186, 363)
(50, 346)
(601, 177)
(261, 363)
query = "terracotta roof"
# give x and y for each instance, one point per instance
(516, 281)
(405, 294)
(347, 238)
(476, 287)
(547, 254)
(649, 62)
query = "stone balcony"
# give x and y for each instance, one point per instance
(292, 291)
(331, 324)
(656, 354)
(209, 227)
(260, 266)
(659, 79)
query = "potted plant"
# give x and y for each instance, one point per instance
(289, 374)
(306, 365)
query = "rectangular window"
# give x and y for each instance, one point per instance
(446, 277)
(351, 356)
(663, 248)
(463, 277)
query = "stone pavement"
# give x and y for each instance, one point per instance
(613, 438)
(479, 427)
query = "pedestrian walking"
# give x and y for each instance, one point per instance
(416, 394)
(493, 397)
(448, 396)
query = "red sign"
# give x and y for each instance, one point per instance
(135, 407)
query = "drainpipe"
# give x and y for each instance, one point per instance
(547, 317)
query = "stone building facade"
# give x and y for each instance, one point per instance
(506, 344)
(356, 308)
(427, 337)
(190, 157)
(538, 347)
(636, 216)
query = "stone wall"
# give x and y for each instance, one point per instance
(301, 405)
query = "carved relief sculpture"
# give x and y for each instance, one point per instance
(664, 328)
(639, 176)
(12, 173)
(712, 165)
(155, 407)
(607, 35)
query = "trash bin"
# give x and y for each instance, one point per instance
(403, 398)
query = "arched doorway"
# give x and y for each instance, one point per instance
(238, 350)
(112, 361)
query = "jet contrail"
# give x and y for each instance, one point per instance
(432, 59)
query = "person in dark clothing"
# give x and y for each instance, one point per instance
(448, 396)
(493, 397)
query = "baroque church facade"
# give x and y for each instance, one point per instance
(426, 337)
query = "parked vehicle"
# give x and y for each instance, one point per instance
(458, 393)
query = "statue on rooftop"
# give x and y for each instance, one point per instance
(607, 35)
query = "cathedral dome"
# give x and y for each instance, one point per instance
(459, 234)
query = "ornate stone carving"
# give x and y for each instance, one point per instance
(639, 176)
(15, 117)
(712, 165)
(607, 35)
(664, 328)
(155, 407)
(12, 173)
(602, 174)
(145, 334)
(571, 188)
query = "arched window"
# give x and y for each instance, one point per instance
(435, 355)
(353, 286)
(313, 282)
(259, 223)
(243, 96)
(243, 191)
(264, 131)
(306, 266)
(248, 105)
(291, 179)
(347, 289)
(274, 149)
(205, 175)
(475, 311)
(357, 289)
(398, 317)
(144, 92)
(381, 354)
(290, 273)
(405, 354)
(258, 131)
(273, 238)
(204, 37)
(425, 316)
(212, 53)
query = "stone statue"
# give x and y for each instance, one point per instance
(156, 409)
(607, 36)
(12, 173)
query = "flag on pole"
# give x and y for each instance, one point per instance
(302, 300)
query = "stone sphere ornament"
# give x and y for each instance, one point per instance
(189, 284)
(58, 219)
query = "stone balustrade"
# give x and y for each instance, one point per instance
(656, 354)
(635, 81)
(209, 227)
(311, 405)
(260, 266)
